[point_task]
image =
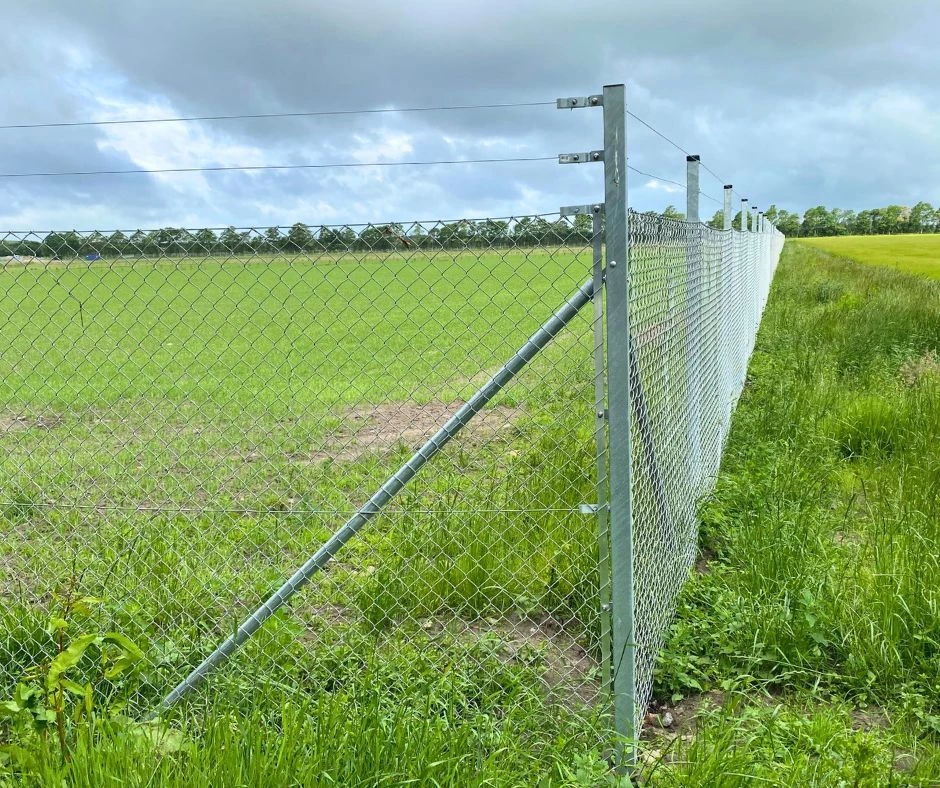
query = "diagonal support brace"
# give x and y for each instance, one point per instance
(392, 486)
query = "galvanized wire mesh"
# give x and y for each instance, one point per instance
(696, 298)
(186, 416)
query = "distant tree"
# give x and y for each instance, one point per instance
(717, 221)
(923, 218)
(889, 220)
(843, 221)
(788, 223)
(230, 241)
(299, 238)
(418, 236)
(273, 239)
(819, 221)
(136, 243)
(115, 245)
(670, 212)
(55, 245)
(204, 242)
(336, 240)
(492, 232)
(532, 231)
(377, 237)
(864, 223)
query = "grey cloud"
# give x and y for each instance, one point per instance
(773, 96)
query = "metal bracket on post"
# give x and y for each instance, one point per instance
(579, 102)
(581, 158)
(582, 210)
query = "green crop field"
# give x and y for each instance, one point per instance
(914, 254)
(175, 439)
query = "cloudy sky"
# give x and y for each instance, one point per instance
(797, 103)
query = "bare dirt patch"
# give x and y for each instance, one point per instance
(378, 429)
(571, 676)
(664, 719)
(17, 422)
(870, 718)
(569, 670)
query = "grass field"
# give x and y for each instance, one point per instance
(213, 457)
(177, 439)
(813, 627)
(914, 254)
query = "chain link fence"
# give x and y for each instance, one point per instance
(696, 298)
(186, 417)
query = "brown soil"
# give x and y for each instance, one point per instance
(15, 423)
(378, 429)
(679, 717)
(570, 672)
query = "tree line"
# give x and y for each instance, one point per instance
(819, 221)
(176, 242)
(527, 231)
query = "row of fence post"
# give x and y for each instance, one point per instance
(620, 386)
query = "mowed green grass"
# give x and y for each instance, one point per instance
(913, 254)
(288, 332)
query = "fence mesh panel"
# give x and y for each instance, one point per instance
(186, 416)
(696, 297)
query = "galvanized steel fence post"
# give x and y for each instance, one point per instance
(692, 324)
(619, 418)
(724, 338)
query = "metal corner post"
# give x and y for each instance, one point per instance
(728, 215)
(616, 238)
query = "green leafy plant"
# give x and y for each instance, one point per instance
(78, 681)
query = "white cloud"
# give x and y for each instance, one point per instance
(174, 145)
(659, 186)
